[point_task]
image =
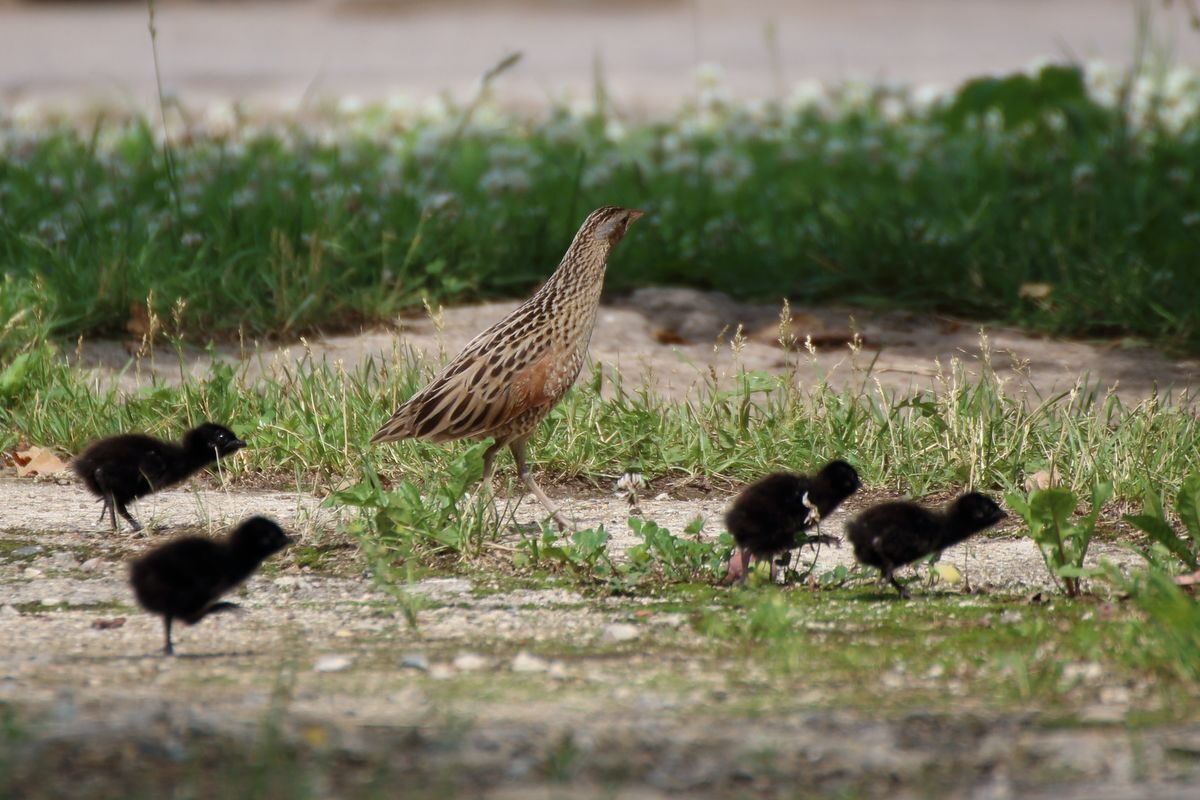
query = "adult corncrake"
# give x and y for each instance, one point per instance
(506, 380)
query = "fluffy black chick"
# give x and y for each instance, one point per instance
(891, 535)
(183, 579)
(121, 468)
(767, 516)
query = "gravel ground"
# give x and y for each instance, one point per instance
(466, 702)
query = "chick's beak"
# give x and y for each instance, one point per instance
(634, 216)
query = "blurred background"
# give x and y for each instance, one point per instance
(645, 50)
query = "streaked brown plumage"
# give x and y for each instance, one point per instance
(506, 380)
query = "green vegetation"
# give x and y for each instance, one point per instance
(1063, 543)
(308, 421)
(1059, 200)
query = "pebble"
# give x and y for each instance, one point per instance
(9, 611)
(333, 663)
(27, 550)
(92, 564)
(416, 661)
(525, 662)
(469, 662)
(620, 632)
(51, 601)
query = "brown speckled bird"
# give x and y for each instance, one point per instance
(506, 380)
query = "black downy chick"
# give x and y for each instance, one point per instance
(183, 579)
(121, 468)
(891, 535)
(767, 516)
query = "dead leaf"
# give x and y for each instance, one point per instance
(38, 461)
(1034, 291)
(139, 320)
(948, 573)
(1188, 580)
(799, 327)
(1042, 479)
(108, 624)
(668, 336)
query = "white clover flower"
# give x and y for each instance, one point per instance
(1055, 120)
(708, 75)
(807, 96)
(502, 180)
(243, 197)
(729, 170)
(440, 201)
(1083, 174)
(928, 96)
(892, 108)
(682, 162)
(598, 174)
(191, 239)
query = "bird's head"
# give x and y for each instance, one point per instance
(259, 537)
(841, 477)
(977, 511)
(608, 224)
(211, 437)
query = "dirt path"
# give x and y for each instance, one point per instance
(285, 53)
(675, 340)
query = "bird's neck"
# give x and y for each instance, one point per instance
(582, 268)
(954, 530)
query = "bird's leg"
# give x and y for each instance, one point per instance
(518, 450)
(107, 510)
(168, 650)
(124, 512)
(489, 463)
(746, 557)
(773, 569)
(887, 573)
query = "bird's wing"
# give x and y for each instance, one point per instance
(475, 394)
(153, 468)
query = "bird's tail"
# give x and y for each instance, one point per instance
(399, 426)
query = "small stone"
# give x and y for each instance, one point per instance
(416, 661)
(108, 624)
(287, 581)
(558, 671)
(32, 572)
(92, 564)
(51, 601)
(469, 662)
(27, 550)
(333, 663)
(441, 672)
(668, 620)
(1087, 672)
(343, 633)
(662, 496)
(9, 611)
(620, 632)
(1009, 617)
(525, 662)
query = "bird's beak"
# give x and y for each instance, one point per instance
(634, 216)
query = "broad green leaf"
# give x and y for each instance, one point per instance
(1187, 504)
(1158, 530)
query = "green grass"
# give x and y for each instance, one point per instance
(308, 423)
(1044, 201)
